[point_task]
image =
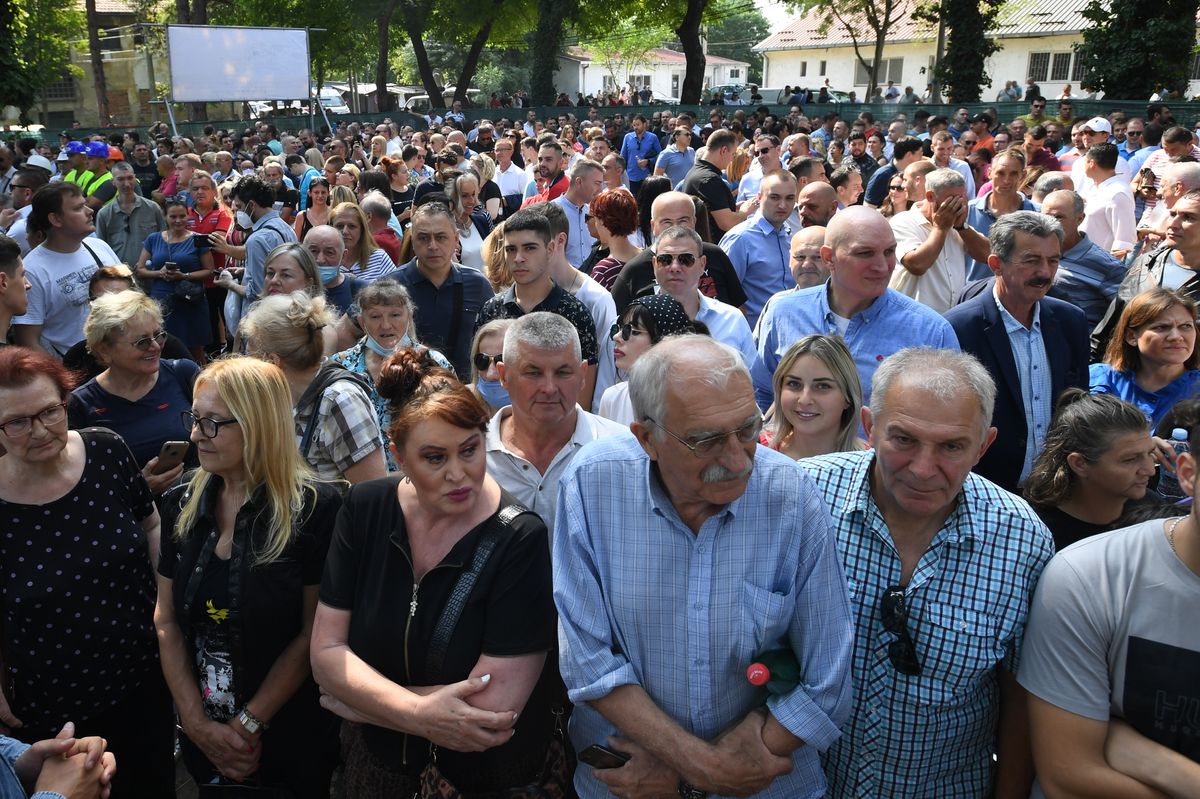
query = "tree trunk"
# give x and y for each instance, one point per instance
(383, 99)
(873, 78)
(693, 48)
(97, 60)
(547, 41)
(477, 44)
(416, 30)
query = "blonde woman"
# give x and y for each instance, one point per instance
(335, 423)
(818, 400)
(341, 194)
(490, 196)
(362, 258)
(242, 557)
(472, 221)
(495, 264)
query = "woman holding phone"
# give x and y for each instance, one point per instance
(178, 270)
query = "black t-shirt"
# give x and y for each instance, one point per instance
(637, 278)
(77, 592)
(706, 182)
(490, 191)
(82, 362)
(510, 612)
(402, 200)
(147, 176)
(504, 306)
(214, 613)
(1066, 529)
(286, 198)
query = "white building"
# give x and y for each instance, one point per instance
(1035, 37)
(661, 69)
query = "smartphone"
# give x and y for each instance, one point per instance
(171, 455)
(598, 756)
(201, 240)
(171, 266)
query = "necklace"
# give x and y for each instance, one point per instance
(1171, 533)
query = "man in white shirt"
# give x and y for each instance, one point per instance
(1109, 216)
(60, 269)
(943, 149)
(509, 177)
(1095, 131)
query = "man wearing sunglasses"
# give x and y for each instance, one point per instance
(941, 565)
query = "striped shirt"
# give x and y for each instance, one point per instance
(379, 264)
(1088, 278)
(968, 599)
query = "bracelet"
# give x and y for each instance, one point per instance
(960, 228)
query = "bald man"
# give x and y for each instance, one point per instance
(637, 276)
(817, 203)
(855, 303)
(805, 258)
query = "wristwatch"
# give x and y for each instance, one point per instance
(251, 723)
(688, 792)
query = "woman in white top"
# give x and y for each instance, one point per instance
(472, 221)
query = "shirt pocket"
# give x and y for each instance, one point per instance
(765, 618)
(958, 647)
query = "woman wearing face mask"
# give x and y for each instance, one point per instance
(486, 351)
(317, 210)
(385, 314)
(645, 322)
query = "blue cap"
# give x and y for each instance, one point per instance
(97, 149)
(76, 148)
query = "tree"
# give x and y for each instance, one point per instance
(1131, 46)
(552, 16)
(732, 30)
(35, 48)
(961, 70)
(626, 48)
(852, 16)
(690, 42)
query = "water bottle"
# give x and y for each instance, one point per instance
(1168, 482)
(777, 670)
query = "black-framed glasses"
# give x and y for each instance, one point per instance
(764, 151)
(899, 187)
(209, 428)
(23, 425)
(626, 330)
(664, 260)
(893, 612)
(483, 361)
(707, 445)
(145, 342)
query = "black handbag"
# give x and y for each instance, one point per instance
(189, 291)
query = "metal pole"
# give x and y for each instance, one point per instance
(149, 62)
(170, 98)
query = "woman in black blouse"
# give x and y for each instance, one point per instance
(237, 589)
(78, 533)
(400, 550)
(1097, 457)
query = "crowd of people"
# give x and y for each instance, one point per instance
(486, 459)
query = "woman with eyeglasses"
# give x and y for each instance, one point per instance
(896, 200)
(487, 350)
(348, 176)
(243, 551)
(316, 211)
(177, 269)
(644, 323)
(385, 314)
(140, 394)
(77, 589)
(1151, 360)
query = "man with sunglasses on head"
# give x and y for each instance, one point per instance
(683, 553)
(941, 565)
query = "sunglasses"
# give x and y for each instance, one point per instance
(896, 188)
(483, 361)
(894, 614)
(763, 151)
(685, 259)
(626, 330)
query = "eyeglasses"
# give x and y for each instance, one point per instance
(894, 614)
(664, 260)
(764, 151)
(626, 330)
(144, 342)
(23, 425)
(1133, 133)
(174, 200)
(706, 446)
(896, 188)
(483, 361)
(209, 428)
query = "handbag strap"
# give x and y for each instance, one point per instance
(497, 528)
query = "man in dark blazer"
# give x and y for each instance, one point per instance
(1035, 346)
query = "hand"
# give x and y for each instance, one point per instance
(447, 720)
(224, 279)
(160, 482)
(945, 213)
(219, 243)
(234, 756)
(741, 764)
(8, 721)
(29, 765)
(1164, 454)
(169, 275)
(70, 776)
(7, 217)
(642, 777)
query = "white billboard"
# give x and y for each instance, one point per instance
(215, 64)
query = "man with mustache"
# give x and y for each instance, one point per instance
(1035, 346)
(683, 552)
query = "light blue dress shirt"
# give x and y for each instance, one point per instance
(760, 256)
(1088, 278)
(980, 218)
(676, 163)
(890, 324)
(632, 149)
(579, 240)
(1033, 369)
(644, 601)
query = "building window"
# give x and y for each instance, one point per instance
(734, 73)
(890, 69)
(803, 69)
(1079, 74)
(1039, 66)
(674, 84)
(1060, 68)
(63, 89)
(822, 72)
(640, 81)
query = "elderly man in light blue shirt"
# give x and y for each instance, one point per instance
(759, 247)
(855, 303)
(685, 552)
(587, 180)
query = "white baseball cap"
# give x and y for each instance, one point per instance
(40, 161)
(1098, 125)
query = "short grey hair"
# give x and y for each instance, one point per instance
(390, 292)
(1077, 203)
(1050, 181)
(939, 180)
(651, 374)
(1187, 174)
(1003, 235)
(681, 232)
(120, 168)
(376, 205)
(947, 374)
(541, 330)
(581, 167)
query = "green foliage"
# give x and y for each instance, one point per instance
(962, 72)
(866, 22)
(733, 29)
(625, 48)
(1133, 46)
(35, 51)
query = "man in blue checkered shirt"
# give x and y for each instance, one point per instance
(941, 565)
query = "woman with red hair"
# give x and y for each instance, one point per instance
(615, 214)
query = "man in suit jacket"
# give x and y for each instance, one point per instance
(1035, 346)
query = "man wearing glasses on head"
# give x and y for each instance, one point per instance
(941, 566)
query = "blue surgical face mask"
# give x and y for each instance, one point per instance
(493, 393)
(328, 274)
(377, 348)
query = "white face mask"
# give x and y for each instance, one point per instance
(243, 220)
